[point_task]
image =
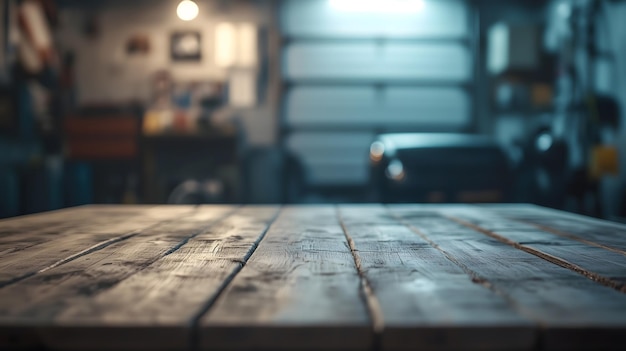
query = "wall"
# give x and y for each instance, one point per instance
(105, 73)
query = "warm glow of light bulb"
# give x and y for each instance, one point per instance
(377, 151)
(187, 10)
(395, 171)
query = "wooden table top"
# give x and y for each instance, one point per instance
(346, 277)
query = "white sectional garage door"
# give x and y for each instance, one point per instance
(354, 70)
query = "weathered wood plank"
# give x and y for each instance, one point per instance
(83, 227)
(426, 301)
(19, 233)
(37, 304)
(49, 217)
(167, 296)
(436, 283)
(33, 251)
(595, 262)
(299, 291)
(23, 226)
(595, 232)
(574, 312)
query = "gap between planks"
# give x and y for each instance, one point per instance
(196, 319)
(71, 258)
(559, 232)
(300, 290)
(616, 285)
(185, 240)
(563, 234)
(94, 248)
(474, 276)
(371, 301)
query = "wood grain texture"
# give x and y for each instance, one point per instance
(426, 301)
(169, 295)
(347, 277)
(37, 304)
(574, 312)
(605, 266)
(595, 232)
(35, 243)
(19, 233)
(299, 291)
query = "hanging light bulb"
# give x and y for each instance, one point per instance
(187, 10)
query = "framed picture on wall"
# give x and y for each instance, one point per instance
(186, 46)
(138, 45)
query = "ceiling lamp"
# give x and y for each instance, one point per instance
(187, 10)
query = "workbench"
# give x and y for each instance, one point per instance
(327, 277)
